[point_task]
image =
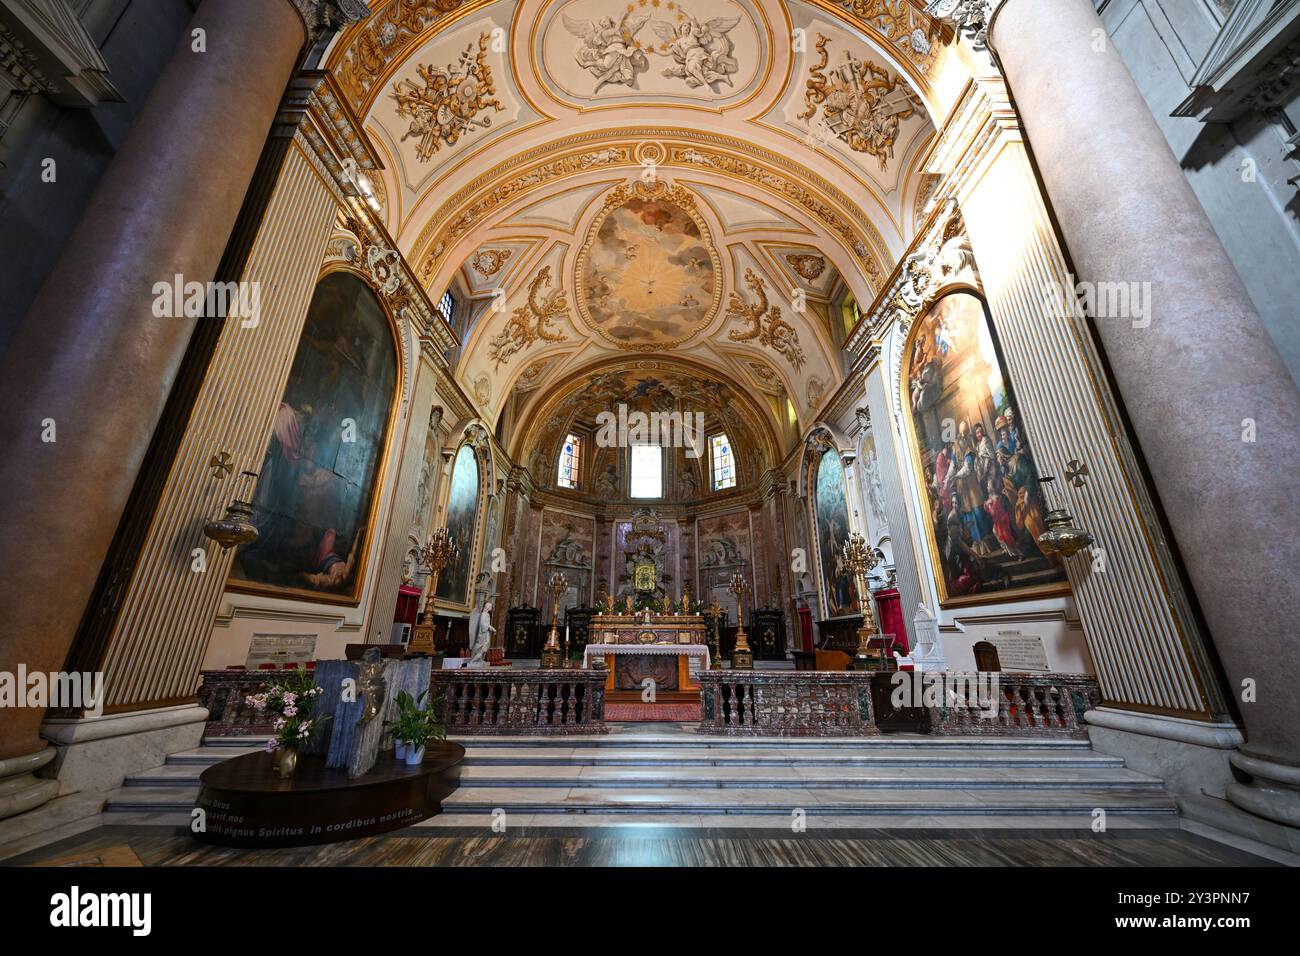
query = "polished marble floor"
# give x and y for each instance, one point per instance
(647, 845)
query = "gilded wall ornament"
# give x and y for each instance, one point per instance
(902, 24)
(808, 267)
(447, 107)
(763, 322)
(383, 39)
(859, 102)
(970, 17)
(488, 262)
(766, 377)
(531, 321)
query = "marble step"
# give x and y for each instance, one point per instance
(131, 799)
(207, 756)
(692, 741)
(529, 755)
(173, 804)
(778, 756)
(708, 801)
(743, 778)
(185, 774)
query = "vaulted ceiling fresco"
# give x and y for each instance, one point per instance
(604, 182)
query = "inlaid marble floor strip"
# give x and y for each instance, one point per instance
(532, 846)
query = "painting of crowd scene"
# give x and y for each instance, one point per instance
(985, 501)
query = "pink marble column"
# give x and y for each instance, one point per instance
(90, 360)
(1214, 410)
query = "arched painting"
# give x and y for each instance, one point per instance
(984, 502)
(314, 502)
(832, 532)
(462, 514)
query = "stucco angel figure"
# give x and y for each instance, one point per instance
(609, 50)
(702, 50)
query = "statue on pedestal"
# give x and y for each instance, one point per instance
(481, 634)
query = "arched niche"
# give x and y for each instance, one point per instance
(460, 515)
(828, 503)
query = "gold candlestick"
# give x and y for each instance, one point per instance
(434, 555)
(859, 559)
(715, 613)
(552, 653)
(742, 658)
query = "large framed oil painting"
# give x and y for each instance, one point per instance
(985, 504)
(462, 518)
(316, 492)
(832, 513)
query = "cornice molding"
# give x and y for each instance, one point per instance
(44, 48)
(1252, 66)
(323, 16)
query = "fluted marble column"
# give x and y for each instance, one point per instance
(91, 366)
(1211, 403)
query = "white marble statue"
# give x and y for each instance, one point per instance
(928, 653)
(481, 633)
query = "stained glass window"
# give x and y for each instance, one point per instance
(570, 462)
(647, 471)
(724, 465)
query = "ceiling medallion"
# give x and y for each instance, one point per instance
(808, 267)
(448, 105)
(648, 274)
(530, 321)
(860, 103)
(488, 262)
(763, 322)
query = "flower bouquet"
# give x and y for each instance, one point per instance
(290, 699)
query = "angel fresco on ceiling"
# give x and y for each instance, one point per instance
(610, 51)
(702, 51)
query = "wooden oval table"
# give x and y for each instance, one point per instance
(245, 803)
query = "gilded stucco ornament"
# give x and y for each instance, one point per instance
(970, 18)
(531, 321)
(903, 24)
(384, 37)
(763, 322)
(808, 267)
(449, 103)
(488, 262)
(860, 103)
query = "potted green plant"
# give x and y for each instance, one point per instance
(414, 726)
